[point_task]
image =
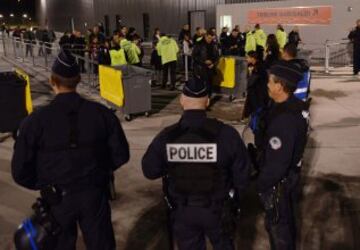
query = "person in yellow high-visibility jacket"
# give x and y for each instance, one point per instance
(250, 44)
(168, 49)
(281, 36)
(117, 53)
(133, 51)
(260, 38)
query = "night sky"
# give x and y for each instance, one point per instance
(17, 7)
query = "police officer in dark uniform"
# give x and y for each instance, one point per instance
(354, 37)
(282, 144)
(202, 159)
(72, 145)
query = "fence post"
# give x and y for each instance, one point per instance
(186, 68)
(46, 59)
(14, 46)
(4, 46)
(23, 46)
(88, 67)
(327, 57)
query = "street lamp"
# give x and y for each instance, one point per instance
(1, 16)
(25, 16)
(11, 15)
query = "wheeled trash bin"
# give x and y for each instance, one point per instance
(231, 77)
(126, 87)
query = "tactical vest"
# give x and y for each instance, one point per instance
(192, 159)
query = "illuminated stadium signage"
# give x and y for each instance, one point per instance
(321, 15)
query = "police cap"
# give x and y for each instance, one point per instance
(287, 71)
(65, 65)
(195, 88)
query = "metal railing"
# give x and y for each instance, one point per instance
(42, 55)
(338, 54)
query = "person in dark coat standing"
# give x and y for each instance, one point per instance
(354, 37)
(257, 93)
(72, 145)
(294, 36)
(184, 31)
(205, 57)
(272, 51)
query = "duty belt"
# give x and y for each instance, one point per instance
(197, 202)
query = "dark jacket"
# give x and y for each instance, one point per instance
(239, 42)
(257, 91)
(294, 37)
(272, 56)
(71, 141)
(183, 33)
(202, 52)
(284, 140)
(354, 37)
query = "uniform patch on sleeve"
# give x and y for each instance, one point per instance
(275, 143)
(305, 114)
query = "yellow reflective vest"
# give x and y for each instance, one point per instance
(250, 44)
(133, 54)
(260, 37)
(168, 49)
(281, 37)
(117, 57)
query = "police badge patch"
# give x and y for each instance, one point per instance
(275, 143)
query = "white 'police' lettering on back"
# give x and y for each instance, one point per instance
(200, 153)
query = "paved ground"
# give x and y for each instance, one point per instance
(328, 214)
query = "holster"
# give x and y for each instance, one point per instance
(229, 217)
(270, 201)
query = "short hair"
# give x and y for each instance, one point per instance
(288, 88)
(257, 26)
(291, 50)
(69, 83)
(254, 54)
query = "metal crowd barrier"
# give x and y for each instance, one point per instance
(42, 54)
(338, 54)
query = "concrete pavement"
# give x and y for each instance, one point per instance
(329, 216)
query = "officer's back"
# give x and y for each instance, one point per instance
(72, 145)
(202, 159)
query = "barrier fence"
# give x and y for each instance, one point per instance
(42, 54)
(332, 54)
(338, 54)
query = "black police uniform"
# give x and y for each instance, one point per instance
(73, 144)
(203, 159)
(354, 36)
(282, 145)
